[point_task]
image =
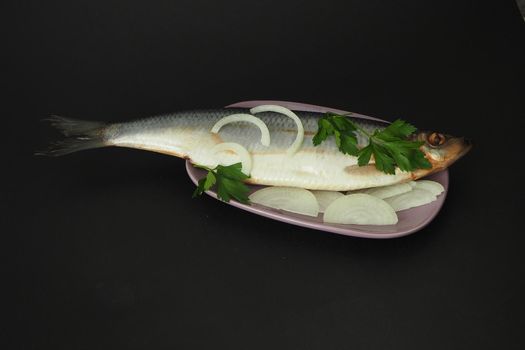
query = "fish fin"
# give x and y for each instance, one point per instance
(80, 135)
(71, 127)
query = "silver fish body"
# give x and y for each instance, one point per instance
(323, 167)
(188, 135)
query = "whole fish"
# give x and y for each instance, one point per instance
(188, 135)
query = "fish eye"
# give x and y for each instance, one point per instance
(436, 139)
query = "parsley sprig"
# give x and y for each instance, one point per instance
(228, 180)
(390, 146)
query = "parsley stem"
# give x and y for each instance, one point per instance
(371, 138)
(363, 131)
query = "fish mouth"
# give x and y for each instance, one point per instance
(463, 146)
(467, 146)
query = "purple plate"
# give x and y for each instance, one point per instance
(410, 221)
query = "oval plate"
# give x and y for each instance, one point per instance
(410, 221)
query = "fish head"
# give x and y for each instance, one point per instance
(441, 150)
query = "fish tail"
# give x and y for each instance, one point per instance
(79, 135)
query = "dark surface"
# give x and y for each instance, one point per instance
(106, 249)
(521, 6)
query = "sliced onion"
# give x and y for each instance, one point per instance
(431, 186)
(388, 191)
(412, 183)
(360, 209)
(279, 109)
(295, 200)
(241, 117)
(242, 152)
(414, 198)
(325, 198)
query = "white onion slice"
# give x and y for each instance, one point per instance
(388, 191)
(325, 198)
(241, 117)
(244, 155)
(432, 186)
(360, 209)
(412, 183)
(295, 200)
(279, 109)
(414, 198)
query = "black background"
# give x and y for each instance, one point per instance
(106, 248)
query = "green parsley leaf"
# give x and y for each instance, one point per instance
(341, 128)
(419, 161)
(383, 161)
(399, 129)
(228, 188)
(324, 129)
(348, 145)
(228, 180)
(390, 147)
(364, 155)
(233, 172)
(205, 184)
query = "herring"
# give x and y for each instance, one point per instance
(188, 135)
